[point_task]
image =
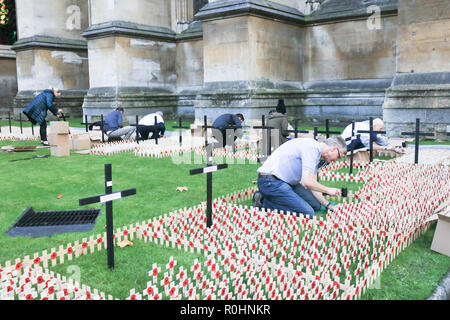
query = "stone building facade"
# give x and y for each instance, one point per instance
(334, 59)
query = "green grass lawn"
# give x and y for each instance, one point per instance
(37, 183)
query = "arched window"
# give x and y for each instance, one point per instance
(8, 28)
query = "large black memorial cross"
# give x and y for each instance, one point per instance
(267, 139)
(205, 127)
(209, 169)
(352, 138)
(180, 127)
(417, 134)
(372, 134)
(326, 131)
(86, 123)
(296, 131)
(108, 198)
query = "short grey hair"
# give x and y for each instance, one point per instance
(159, 113)
(337, 141)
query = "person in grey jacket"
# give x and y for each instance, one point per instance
(278, 120)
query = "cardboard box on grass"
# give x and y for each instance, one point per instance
(60, 151)
(56, 139)
(196, 131)
(359, 155)
(441, 239)
(81, 141)
(59, 127)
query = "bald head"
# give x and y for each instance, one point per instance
(378, 124)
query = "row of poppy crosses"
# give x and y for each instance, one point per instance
(253, 254)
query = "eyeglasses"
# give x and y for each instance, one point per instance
(339, 153)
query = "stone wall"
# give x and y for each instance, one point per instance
(8, 79)
(347, 68)
(250, 60)
(421, 87)
(347, 60)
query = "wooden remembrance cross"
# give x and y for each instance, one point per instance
(267, 141)
(417, 134)
(108, 198)
(209, 169)
(296, 131)
(180, 127)
(206, 127)
(352, 138)
(327, 130)
(86, 123)
(371, 132)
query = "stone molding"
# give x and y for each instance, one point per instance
(346, 10)
(225, 9)
(7, 52)
(128, 29)
(39, 42)
(331, 12)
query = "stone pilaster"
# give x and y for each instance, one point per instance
(132, 52)
(252, 57)
(421, 87)
(51, 52)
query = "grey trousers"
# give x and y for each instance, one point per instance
(125, 132)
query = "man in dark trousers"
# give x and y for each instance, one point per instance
(36, 111)
(224, 121)
(147, 125)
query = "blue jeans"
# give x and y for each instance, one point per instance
(280, 195)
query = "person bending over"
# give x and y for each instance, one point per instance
(113, 125)
(288, 178)
(36, 111)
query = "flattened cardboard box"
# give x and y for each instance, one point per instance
(59, 127)
(441, 239)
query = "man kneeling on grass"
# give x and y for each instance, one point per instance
(288, 178)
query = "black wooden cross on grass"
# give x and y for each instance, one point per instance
(180, 127)
(9, 121)
(86, 123)
(352, 138)
(206, 127)
(417, 134)
(209, 169)
(108, 198)
(372, 133)
(326, 131)
(267, 141)
(296, 131)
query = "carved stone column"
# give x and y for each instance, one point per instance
(51, 52)
(132, 54)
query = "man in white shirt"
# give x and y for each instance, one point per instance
(153, 123)
(363, 141)
(288, 178)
